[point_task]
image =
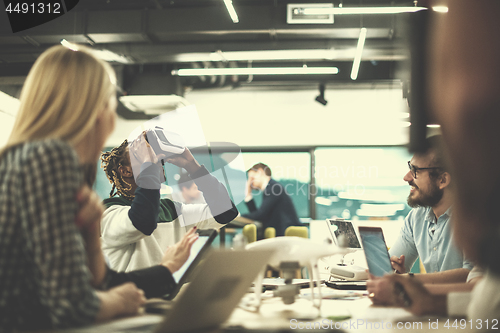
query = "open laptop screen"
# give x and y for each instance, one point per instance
(376, 253)
(346, 229)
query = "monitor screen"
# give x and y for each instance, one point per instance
(195, 250)
(346, 229)
(376, 253)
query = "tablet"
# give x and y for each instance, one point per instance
(198, 249)
(377, 256)
(340, 227)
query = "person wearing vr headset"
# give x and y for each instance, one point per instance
(464, 82)
(137, 225)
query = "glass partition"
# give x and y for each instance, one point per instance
(361, 183)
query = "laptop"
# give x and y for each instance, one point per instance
(198, 250)
(217, 286)
(340, 228)
(377, 256)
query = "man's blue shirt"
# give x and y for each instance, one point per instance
(422, 236)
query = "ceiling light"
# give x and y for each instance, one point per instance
(357, 56)
(440, 9)
(273, 55)
(105, 55)
(256, 71)
(109, 56)
(69, 45)
(153, 104)
(359, 10)
(294, 14)
(231, 10)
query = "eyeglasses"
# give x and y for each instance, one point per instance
(414, 169)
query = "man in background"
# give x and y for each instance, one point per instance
(189, 192)
(277, 209)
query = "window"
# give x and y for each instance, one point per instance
(361, 183)
(291, 169)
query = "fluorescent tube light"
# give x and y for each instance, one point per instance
(360, 10)
(440, 9)
(255, 71)
(273, 55)
(69, 45)
(357, 56)
(231, 11)
(408, 124)
(105, 55)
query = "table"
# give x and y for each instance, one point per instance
(274, 316)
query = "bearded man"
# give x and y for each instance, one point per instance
(427, 229)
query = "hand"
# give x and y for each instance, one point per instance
(90, 210)
(421, 300)
(176, 255)
(140, 151)
(248, 189)
(185, 160)
(398, 264)
(145, 163)
(129, 297)
(381, 290)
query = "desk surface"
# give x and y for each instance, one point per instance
(276, 316)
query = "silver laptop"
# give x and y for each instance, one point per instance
(218, 284)
(342, 228)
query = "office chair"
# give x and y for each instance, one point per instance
(297, 231)
(250, 233)
(269, 232)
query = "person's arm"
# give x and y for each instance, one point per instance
(158, 281)
(49, 181)
(220, 205)
(410, 293)
(88, 221)
(265, 208)
(155, 281)
(445, 288)
(123, 300)
(457, 275)
(405, 245)
(123, 225)
(215, 193)
(252, 207)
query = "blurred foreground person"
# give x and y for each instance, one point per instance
(51, 262)
(464, 87)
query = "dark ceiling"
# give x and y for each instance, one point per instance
(158, 36)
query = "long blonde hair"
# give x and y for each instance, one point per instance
(62, 96)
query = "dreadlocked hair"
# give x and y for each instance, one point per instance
(110, 162)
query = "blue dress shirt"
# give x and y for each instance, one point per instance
(422, 236)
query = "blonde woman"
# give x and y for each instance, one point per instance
(50, 265)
